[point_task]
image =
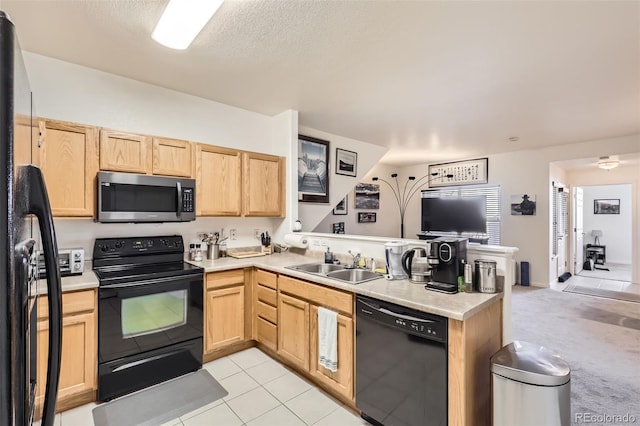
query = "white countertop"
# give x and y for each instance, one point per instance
(72, 283)
(458, 306)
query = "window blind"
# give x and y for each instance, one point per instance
(492, 195)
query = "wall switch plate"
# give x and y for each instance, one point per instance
(233, 234)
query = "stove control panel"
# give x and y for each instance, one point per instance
(120, 247)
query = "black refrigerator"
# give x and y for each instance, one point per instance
(24, 210)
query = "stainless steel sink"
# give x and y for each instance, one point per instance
(354, 276)
(337, 272)
(317, 268)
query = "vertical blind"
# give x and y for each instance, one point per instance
(560, 215)
(492, 195)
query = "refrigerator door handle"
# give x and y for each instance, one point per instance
(40, 207)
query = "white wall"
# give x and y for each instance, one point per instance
(311, 214)
(75, 93)
(388, 218)
(615, 227)
(71, 92)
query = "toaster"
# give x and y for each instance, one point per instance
(70, 262)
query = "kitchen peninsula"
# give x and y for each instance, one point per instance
(279, 307)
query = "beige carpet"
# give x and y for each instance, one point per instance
(599, 338)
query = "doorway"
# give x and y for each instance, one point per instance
(602, 237)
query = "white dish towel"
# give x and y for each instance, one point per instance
(328, 339)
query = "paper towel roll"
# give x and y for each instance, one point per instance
(296, 240)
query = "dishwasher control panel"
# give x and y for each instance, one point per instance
(431, 326)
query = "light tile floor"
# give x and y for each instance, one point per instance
(262, 392)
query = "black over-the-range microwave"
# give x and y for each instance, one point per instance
(129, 197)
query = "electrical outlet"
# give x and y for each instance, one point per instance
(256, 232)
(233, 234)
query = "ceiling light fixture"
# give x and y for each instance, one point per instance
(182, 20)
(606, 163)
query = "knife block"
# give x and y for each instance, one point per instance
(267, 249)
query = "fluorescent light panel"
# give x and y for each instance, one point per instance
(182, 21)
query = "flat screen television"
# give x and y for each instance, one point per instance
(464, 214)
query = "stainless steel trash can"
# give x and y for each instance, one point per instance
(530, 386)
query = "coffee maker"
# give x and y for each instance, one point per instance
(451, 256)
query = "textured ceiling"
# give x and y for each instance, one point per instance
(434, 81)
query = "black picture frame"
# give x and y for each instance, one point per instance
(606, 206)
(367, 217)
(367, 196)
(346, 162)
(342, 207)
(313, 170)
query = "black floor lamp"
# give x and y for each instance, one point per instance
(404, 196)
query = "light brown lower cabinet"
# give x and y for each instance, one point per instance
(265, 303)
(78, 369)
(341, 380)
(224, 309)
(293, 330)
(298, 331)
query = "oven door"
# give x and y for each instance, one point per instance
(141, 316)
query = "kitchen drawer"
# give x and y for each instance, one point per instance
(267, 279)
(72, 303)
(267, 312)
(267, 295)
(323, 296)
(267, 333)
(224, 279)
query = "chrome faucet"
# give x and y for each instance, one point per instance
(356, 258)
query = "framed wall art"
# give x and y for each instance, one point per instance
(606, 206)
(341, 208)
(337, 228)
(367, 196)
(523, 205)
(469, 172)
(366, 217)
(346, 162)
(313, 170)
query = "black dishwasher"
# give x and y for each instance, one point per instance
(401, 364)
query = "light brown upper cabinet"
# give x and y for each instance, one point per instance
(26, 135)
(218, 181)
(172, 157)
(264, 188)
(68, 156)
(124, 152)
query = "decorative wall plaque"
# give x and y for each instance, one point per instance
(469, 172)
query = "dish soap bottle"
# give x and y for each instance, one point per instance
(328, 256)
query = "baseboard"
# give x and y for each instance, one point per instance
(227, 350)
